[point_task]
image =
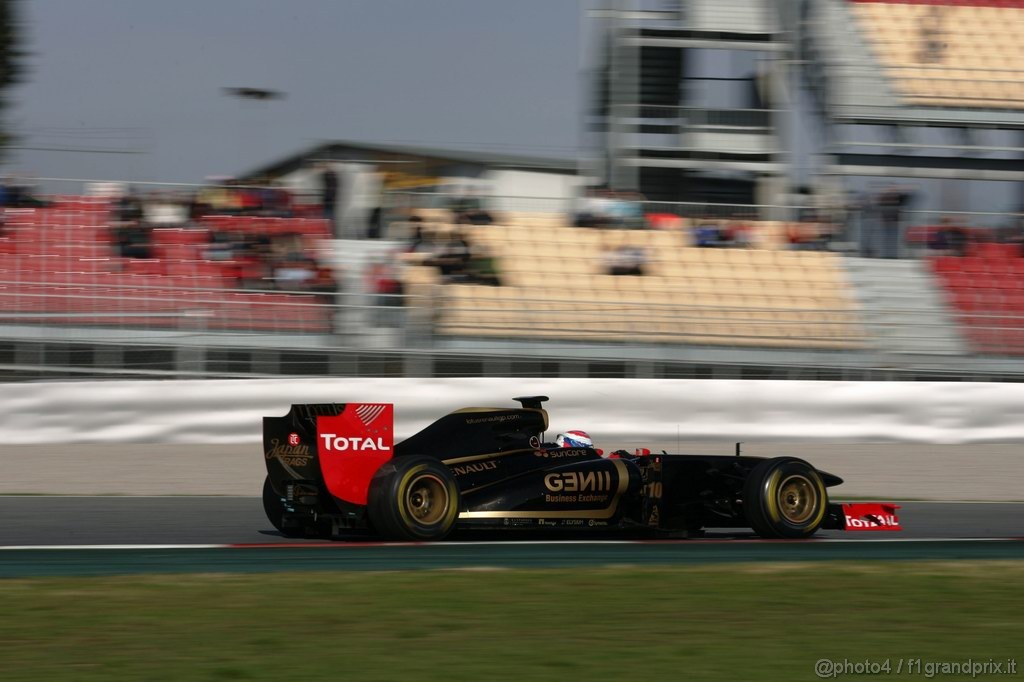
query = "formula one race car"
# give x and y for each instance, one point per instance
(334, 470)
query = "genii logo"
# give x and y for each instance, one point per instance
(352, 446)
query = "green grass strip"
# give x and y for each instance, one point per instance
(719, 622)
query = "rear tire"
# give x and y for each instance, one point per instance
(784, 497)
(413, 498)
(274, 509)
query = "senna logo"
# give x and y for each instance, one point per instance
(579, 482)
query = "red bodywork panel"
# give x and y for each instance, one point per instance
(871, 516)
(353, 445)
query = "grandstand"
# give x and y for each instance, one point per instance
(688, 295)
(951, 54)
(927, 90)
(915, 89)
(762, 305)
(59, 265)
(986, 291)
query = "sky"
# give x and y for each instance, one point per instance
(147, 77)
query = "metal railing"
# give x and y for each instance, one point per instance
(692, 117)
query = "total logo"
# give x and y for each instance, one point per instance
(293, 439)
(872, 521)
(336, 443)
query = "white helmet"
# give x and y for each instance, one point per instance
(574, 439)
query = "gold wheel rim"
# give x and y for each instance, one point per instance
(798, 499)
(427, 499)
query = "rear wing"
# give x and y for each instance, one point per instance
(338, 445)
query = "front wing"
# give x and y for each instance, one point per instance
(863, 516)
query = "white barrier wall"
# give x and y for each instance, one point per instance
(614, 411)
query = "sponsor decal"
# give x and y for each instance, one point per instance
(606, 512)
(871, 516)
(655, 518)
(474, 468)
(560, 454)
(293, 455)
(586, 486)
(368, 413)
(573, 522)
(579, 481)
(352, 445)
(336, 443)
(872, 521)
(293, 439)
(493, 419)
(652, 490)
(534, 442)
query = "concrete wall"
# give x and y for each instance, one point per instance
(640, 411)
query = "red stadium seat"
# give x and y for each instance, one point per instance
(942, 264)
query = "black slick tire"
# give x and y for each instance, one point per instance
(413, 498)
(784, 497)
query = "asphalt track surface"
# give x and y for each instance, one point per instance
(52, 535)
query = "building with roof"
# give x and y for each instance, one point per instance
(372, 175)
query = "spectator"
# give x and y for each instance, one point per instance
(420, 241)
(1013, 233)
(483, 267)
(294, 275)
(708, 233)
(740, 232)
(20, 194)
(221, 246)
(891, 203)
(626, 260)
(587, 213)
(328, 190)
(375, 224)
(127, 209)
(323, 283)
(469, 210)
(948, 239)
(452, 258)
(628, 210)
(133, 242)
(383, 283)
(932, 45)
(130, 237)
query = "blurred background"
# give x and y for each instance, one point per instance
(749, 189)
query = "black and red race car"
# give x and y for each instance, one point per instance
(333, 470)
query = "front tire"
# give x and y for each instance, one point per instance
(785, 497)
(413, 498)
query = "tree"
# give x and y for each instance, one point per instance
(12, 59)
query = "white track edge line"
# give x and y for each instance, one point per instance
(340, 544)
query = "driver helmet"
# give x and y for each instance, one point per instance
(574, 439)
